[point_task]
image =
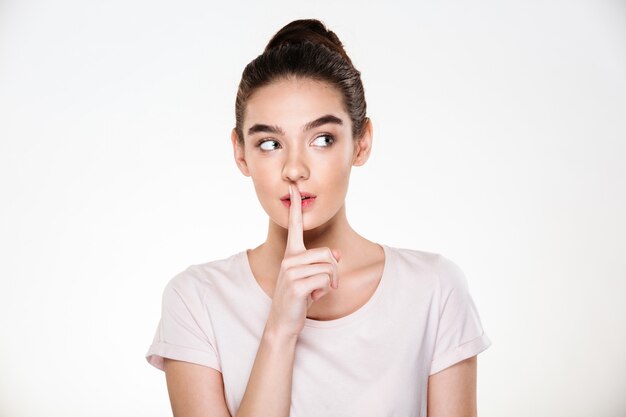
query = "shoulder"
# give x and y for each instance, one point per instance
(197, 279)
(444, 272)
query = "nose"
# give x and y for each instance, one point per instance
(295, 167)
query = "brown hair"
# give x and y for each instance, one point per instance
(304, 48)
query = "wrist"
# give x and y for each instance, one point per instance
(276, 336)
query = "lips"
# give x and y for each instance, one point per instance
(307, 199)
(303, 195)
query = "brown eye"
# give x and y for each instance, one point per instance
(268, 145)
(323, 141)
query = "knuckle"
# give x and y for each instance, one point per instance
(290, 274)
(331, 257)
(288, 262)
(322, 280)
(299, 289)
(328, 253)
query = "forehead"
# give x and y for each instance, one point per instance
(293, 102)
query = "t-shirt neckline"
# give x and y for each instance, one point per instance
(361, 311)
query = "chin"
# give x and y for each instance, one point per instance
(309, 221)
(312, 221)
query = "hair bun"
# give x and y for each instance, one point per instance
(307, 30)
(307, 49)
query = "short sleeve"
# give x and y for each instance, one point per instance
(460, 333)
(184, 332)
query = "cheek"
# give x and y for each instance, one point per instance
(337, 169)
(263, 178)
(261, 182)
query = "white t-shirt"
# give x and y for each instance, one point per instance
(373, 362)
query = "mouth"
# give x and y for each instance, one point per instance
(303, 196)
(306, 198)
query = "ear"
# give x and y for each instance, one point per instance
(238, 152)
(363, 146)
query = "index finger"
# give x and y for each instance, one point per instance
(295, 239)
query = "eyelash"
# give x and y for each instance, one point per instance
(262, 141)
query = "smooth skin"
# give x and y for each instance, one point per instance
(312, 264)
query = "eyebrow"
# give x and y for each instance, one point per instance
(329, 118)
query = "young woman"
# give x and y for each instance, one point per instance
(317, 320)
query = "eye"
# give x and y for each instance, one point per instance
(324, 141)
(268, 145)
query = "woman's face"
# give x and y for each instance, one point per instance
(296, 131)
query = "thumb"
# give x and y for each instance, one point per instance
(336, 254)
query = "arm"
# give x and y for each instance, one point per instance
(452, 392)
(268, 392)
(198, 391)
(195, 390)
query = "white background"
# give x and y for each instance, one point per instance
(500, 142)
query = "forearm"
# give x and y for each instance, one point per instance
(268, 392)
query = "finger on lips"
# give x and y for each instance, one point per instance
(295, 238)
(295, 241)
